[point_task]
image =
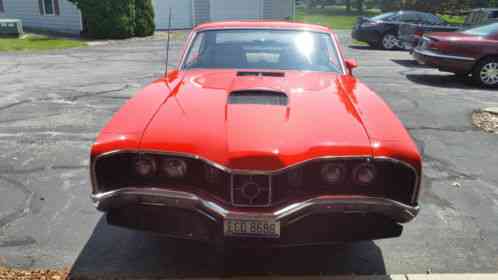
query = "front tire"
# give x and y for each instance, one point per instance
(486, 73)
(389, 41)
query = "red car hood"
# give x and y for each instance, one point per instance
(319, 120)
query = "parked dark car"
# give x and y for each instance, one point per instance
(382, 31)
(409, 33)
(472, 51)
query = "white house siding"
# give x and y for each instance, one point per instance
(202, 11)
(236, 10)
(186, 13)
(181, 11)
(69, 20)
(278, 9)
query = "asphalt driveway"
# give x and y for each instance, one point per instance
(53, 104)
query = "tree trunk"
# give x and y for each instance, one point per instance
(359, 5)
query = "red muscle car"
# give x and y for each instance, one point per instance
(261, 136)
(469, 52)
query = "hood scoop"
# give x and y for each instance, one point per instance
(260, 74)
(258, 97)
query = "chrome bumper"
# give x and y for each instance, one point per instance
(442, 56)
(289, 214)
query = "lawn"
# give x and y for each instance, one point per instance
(37, 42)
(335, 17)
(453, 19)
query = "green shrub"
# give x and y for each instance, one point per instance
(108, 18)
(144, 18)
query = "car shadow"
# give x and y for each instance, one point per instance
(117, 252)
(443, 81)
(359, 47)
(411, 63)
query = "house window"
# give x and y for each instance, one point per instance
(49, 7)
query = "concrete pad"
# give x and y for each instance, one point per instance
(462, 276)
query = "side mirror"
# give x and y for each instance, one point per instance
(351, 64)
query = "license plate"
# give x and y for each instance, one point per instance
(254, 228)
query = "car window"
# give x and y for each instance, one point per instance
(386, 17)
(195, 50)
(409, 17)
(263, 49)
(431, 19)
(493, 14)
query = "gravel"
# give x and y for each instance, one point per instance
(486, 121)
(46, 274)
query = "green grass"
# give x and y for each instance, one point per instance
(335, 18)
(453, 19)
(37, 42)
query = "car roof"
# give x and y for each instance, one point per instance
(261, 25)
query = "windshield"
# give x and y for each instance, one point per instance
(484, 30)
(263, 49)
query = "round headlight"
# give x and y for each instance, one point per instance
(173, 167)
(145, 165)
(295, 177)
(213, 174)
(333, 172)
(364, 174)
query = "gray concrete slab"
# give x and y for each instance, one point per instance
(52, 105)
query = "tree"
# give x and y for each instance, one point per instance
(359, 5)
(117, 18)
(348, 5)
(144, 18)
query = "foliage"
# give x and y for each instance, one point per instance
(144, 18)
(108, 18)
(336, 17)
(432, 6)
(117, 18)
(32, 42)
(457, 20)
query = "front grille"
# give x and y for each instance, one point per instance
(116, 172)
(394, 181)
(251, 190)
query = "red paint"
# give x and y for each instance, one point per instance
(329, 114)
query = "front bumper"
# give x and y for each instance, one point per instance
(445, 63)
(186, 215)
